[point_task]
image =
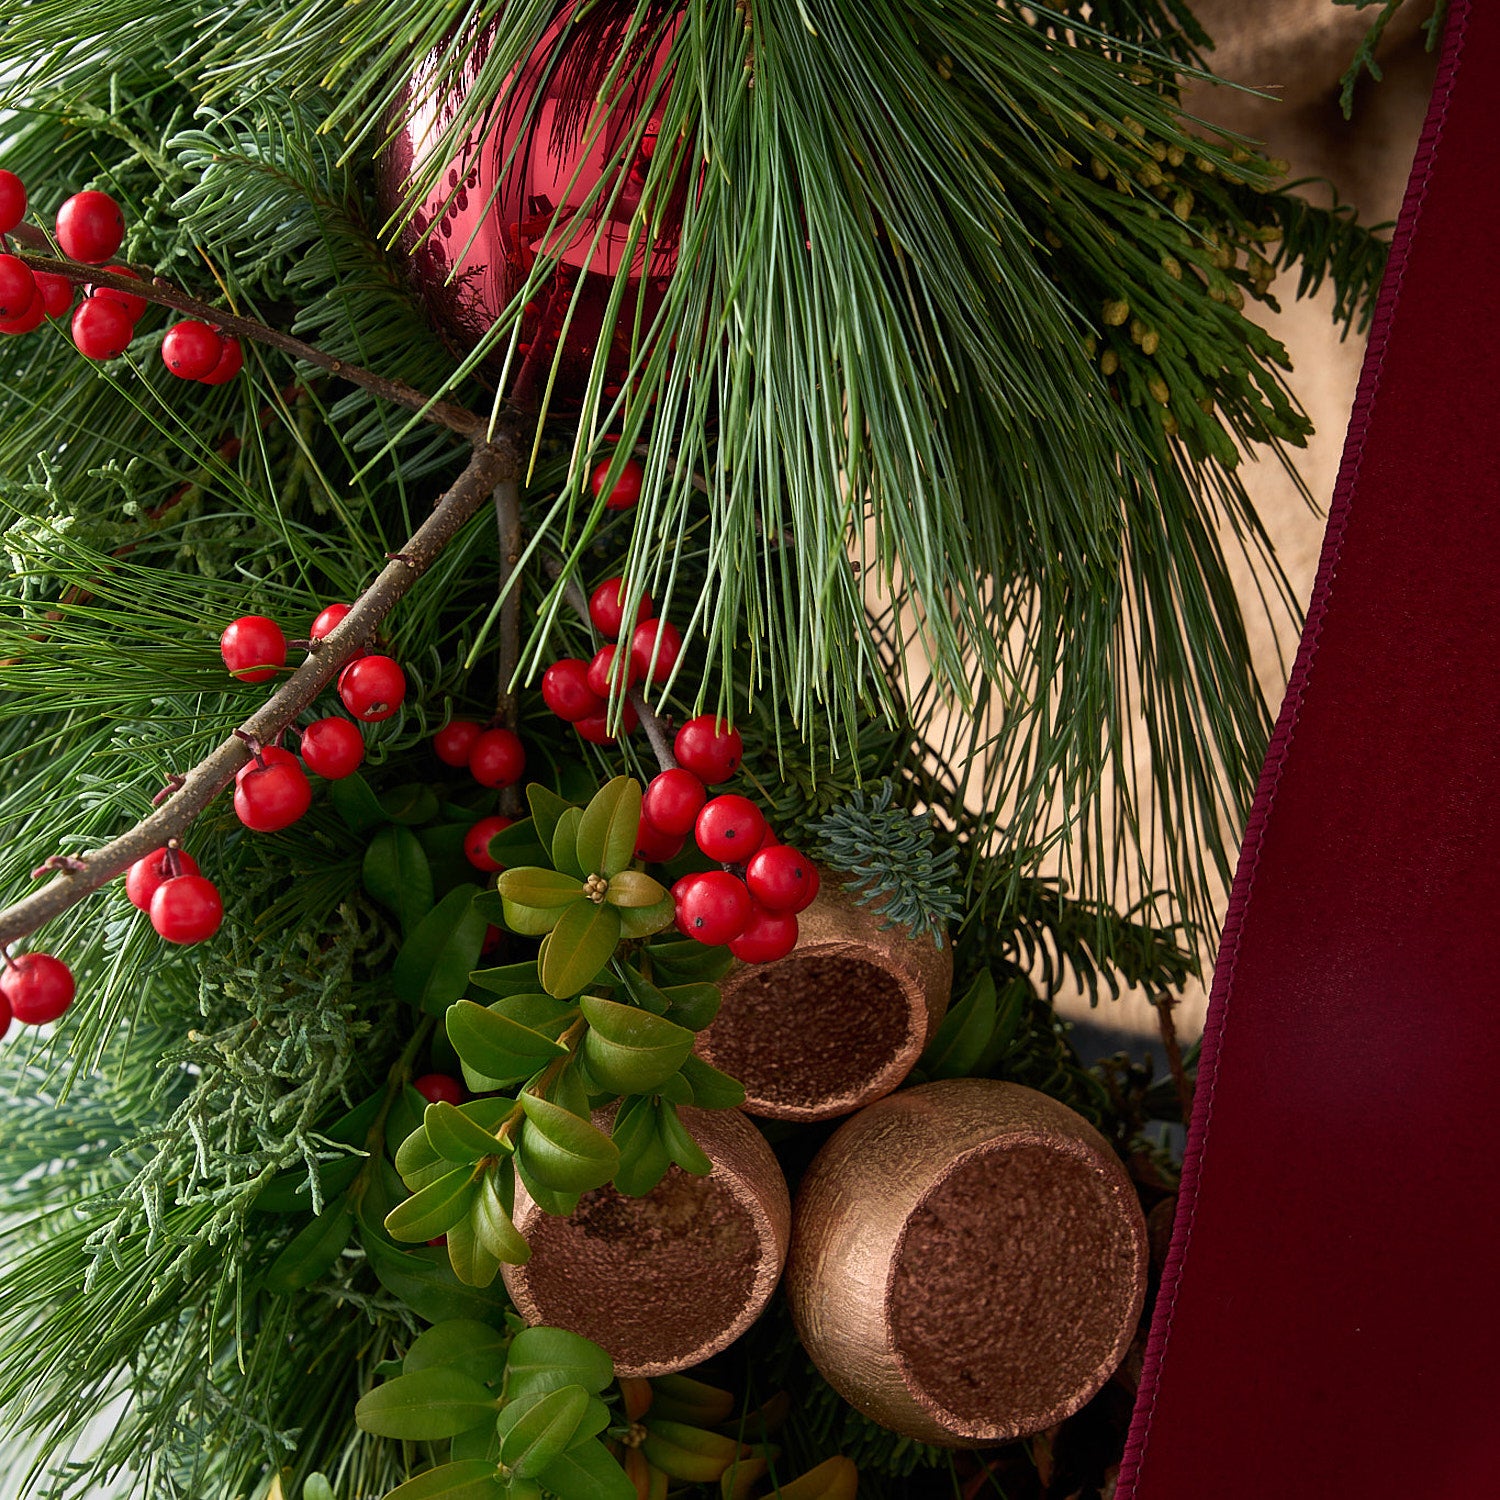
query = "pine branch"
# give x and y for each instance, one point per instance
(490, 465)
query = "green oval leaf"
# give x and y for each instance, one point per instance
(492, 1222)
(643, 1157)
(411, 803)
(961, 1039)
(609, 826)
(533, 1433)
(519, 844)
(434, 1209)
(629, 1050)
(685, 961)
(455, 1136)
(582, 942)
(468, 1479)
(424, 1280)
(642, 921)
(494, 1045)
(468, 1255)
(356, 804)
(537, 887)
(693, 1005)
(508, 979)
(396, 873)
(711, 1088)
(549, 1200)
(587, 1472)
(465, 1343)
(546, 1359)
(317, 1487)
(428, 1404)
(565, 843)
(404, 1119)
(432, 969)
(563, 1152)
(634, 888)
(681, 1147)
(291, 1192)
(312, 1251)
(419, 1162)
(547, 809)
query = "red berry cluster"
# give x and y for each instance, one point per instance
(34, 989)
(496, 758)
(752, 903)
(194, 351)
(184, 906)
(625, 491)
(578, 690)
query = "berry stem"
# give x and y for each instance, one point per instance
(508, 525)
(160, 291)
(490, 463)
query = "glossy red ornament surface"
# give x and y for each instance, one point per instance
(712, 906)
(541, 148)
(191, 350)
(768, 935)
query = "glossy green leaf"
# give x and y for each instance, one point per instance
(642, 921)
(419, 1162)
(464, 1343)
(519, 1488)
(685, 961)
(317, 1487)
(529, 921)
(492, 1223)
(425, 1281)
(291, 1192)
(711, 1088)
(432, 969)
(641, 990)
(583, 941)
(469, 1255)
(478, 1442)
(353, 1128)
(467, 1479)
(410, 803)
(565, 844)
(397, 875)
(643, 1157)
(425, 1405)
(563, 1152)
(533, 1433)
(549, 1200)
(455, 1136)
(508, 979)
(586, 1471)
(434, 1209)
(964, 1033)
(520, 844)
(538, 887)
(693, 1005)
(569, 1090)
(609, 826)
(495, 1046)
(312, 1251)
(547, 809)
(676, 1089)
(356, 804)
(404, 1118)
(634, 889)
(1016, 996)
(628, 1049)
(546, 1359)
(681, 1147)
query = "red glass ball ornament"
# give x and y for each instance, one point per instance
(37, 987)
(57, 293)
(187, 909)
(191, 350)
(658, 638)
(781, 878)
(498, 758)
(253, 647)
(729, 829)
(607, 608)
(712, 906)
(101, 330)
(146, 876)
(231, 362)
(332, 748)
(709, 748)
(601, 672)
(17, 286)
(270, 755)
(90, 227)
(31, 319)
(625, 491)
(328, 620)
(477, 844)
(12, 201)
(656, 845)
(595, 729)
(566, 691)
(272, 797)
(439, 1088)
(372, 688)
(673, 801)
(454, 742)
(134, 306)
(526, 184)
(768, 935)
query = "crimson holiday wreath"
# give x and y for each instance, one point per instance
(581, 584)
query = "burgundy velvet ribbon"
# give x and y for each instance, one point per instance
(1329, 1318)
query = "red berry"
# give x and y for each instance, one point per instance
(566, 690)
(102, 330)
(600, 671)
(454, 741)
(57, 293)
(187, 909)
(494, 937)
(439, 1088)
(497, 758)
(146, 875)
(595, 729)
(328, 620)
(712, 906)
(28, 320)
(477, 844)
(17, 286)
(768, 935)
(781, 879)
(272, 797)
(12, 201)
(231, 362)
(253, 647)
(655, 844)
(672, 801)
(607, 608)
(709, 749)
(37, 987)
(191, 350)
(4, 1016)
(133, 305)
(270, 755)
(372, 688)
(658, 638)
(729, 829)
(333, 748)
(90, 227)
(627, 488)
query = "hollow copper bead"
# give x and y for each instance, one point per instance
(836, 1024)
(666, 1280)
(968, 1262)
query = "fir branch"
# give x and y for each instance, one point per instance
(1364, 59)
(488, 466)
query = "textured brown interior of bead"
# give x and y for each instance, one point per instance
(652, 1278)
(1011, 1287)
(810, 1028)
